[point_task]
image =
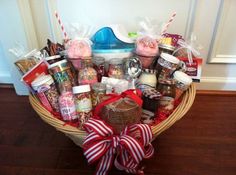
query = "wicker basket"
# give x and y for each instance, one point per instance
(78, 135)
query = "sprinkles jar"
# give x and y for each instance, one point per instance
(115, 69)
(98, 92)
(47, 92)
(61, 72)
(87, 74)
(67, 103)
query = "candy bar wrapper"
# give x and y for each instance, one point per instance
(114, 85)
(194, 70)
(38, 70)
(172, 39)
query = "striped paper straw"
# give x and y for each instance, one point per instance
(61, 25)
(168, 23)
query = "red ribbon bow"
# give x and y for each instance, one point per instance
(125, 150)
(131, 93)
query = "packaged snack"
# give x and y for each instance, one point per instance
(193, 69)
(38, 70)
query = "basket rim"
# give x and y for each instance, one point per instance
(178, 113)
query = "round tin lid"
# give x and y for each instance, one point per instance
(182, 77)
(170, 58)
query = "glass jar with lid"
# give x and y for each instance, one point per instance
(115, 69)
(87, 74)
(167, 89)
(83, 102)
(166, 48)
(98, 92)
(67, 103)
(99, 66)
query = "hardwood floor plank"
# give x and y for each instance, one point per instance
(203, 142)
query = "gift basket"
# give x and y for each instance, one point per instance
(112, 93)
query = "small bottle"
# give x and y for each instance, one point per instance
(87, 74)
(67, 103)
(99, 66)
(167, 89)
(83, 102)
(115, 69)
(98, 92)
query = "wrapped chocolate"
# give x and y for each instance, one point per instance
(120, 111)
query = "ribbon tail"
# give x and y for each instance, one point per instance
(105, 163)
(190, 57)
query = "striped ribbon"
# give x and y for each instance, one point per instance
(125, 150)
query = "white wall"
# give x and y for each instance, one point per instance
(12, 30)
(208, 19)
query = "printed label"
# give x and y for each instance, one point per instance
(68, 112)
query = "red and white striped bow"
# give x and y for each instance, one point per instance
(125, 150)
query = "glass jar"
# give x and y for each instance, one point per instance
(47, 92)
(167, 89)
(98, 92)
(115, 69)
(151, 99)
(62, 72)
(166, 65)
(147, 80)
(182, 82)
(166, 48)
(83, 103)
(99, 66)
(67, 103)
(87, 74)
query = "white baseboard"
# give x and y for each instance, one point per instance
(217, 83)
(5, 78)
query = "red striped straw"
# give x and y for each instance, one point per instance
(61, 25)
(168, 23)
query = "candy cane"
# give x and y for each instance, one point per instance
(61, 25)
(168, 23)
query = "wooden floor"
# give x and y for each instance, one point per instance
(202, 143)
